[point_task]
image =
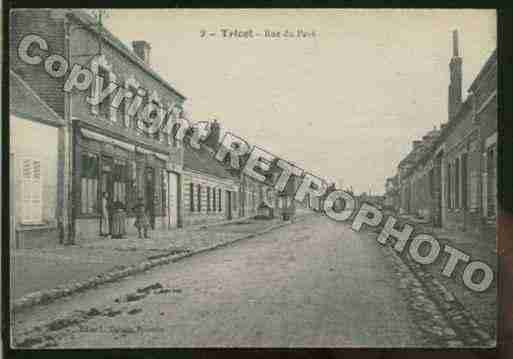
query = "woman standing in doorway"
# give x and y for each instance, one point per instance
(141, 218)
(105, 220)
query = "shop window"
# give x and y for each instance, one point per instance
(120, 181)
(191, 197)
(199, 198)
(89, 183)
(31, 188)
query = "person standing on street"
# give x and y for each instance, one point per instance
(141, 218)
(105, 219)
(118, 220)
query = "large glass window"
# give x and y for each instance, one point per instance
(89, 183)
(120, 179)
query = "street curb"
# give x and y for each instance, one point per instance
(451, 308)
(64, 290)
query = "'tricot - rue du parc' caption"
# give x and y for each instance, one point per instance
(252, 34)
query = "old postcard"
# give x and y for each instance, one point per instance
(252, 178)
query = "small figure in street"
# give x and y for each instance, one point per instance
(141, 218)
(118, 220)
(105, 220)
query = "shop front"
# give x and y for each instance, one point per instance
(113, 172)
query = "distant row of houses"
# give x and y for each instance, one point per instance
(450, 175)
(66, 152)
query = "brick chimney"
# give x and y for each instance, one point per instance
(142, 50)
(455, 77)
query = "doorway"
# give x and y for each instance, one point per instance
(172, 200)
(150, 195)
(107, 186)
(228, 205)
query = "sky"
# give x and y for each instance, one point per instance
(345, 104)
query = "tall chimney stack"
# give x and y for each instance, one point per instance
(142, 50)
(454, 99)
(455, 50)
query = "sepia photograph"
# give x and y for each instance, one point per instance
(252, 178)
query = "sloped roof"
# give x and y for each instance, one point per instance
(201, 160)
(24, 102)
(86, 19)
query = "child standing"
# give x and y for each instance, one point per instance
(141, 218)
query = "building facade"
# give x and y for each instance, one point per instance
(450, 177)
(209, 191)
(107, 149)
(36, 181)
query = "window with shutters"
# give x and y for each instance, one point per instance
(219, 198)
(208, 198)
(213, 200)
(199, 198)
(457, 184)
(104, 106)
(32, 191)
(464, 179)
(191, 197)
(432, 182)
(89, 183)
(448, 186)
(474, 191)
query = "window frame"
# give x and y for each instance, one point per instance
(191, 197)
(198, 198)
(95, 209)
(28, 185)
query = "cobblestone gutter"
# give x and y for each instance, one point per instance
(428, 298)
(47, 296)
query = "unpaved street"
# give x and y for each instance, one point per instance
(313, 283)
